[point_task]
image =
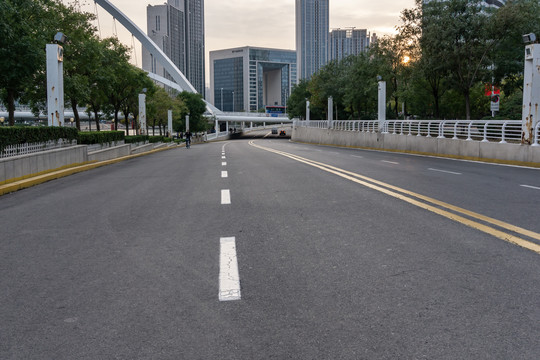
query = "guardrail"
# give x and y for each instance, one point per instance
(502, 131)
(23, 149)
(215, 136)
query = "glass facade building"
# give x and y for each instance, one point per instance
(248, 79)
(177, 27)
(312, 33)
(346, 42)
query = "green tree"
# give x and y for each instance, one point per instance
(329, 81)
(296, 103)
(81, 57)
(360, 100)
(23, 35)
(130, 104)
(195, 107)
(157, 109)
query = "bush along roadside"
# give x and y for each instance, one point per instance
(136, 139)
(100, 137)
(32, 135)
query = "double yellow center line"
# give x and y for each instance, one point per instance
(438, 207)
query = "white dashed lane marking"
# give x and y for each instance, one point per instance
(225, 197)
(224, 174)
(229, 277)
(530, 187)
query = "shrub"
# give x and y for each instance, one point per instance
(100, 137)
(136, 139)
(22, 135)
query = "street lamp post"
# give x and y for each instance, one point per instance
(233, 101)
(2, 119)
(71, 120)
(221, 97)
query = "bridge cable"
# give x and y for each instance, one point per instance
(97, 18)
(134, 49)
(115, 30)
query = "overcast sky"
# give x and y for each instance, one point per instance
(261, 23)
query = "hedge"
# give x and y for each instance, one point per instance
(21, 135)
(100, 137)
(136, 139)
(156, 139)
(143, 138)
(31, 135)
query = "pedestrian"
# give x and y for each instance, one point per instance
(188, 138)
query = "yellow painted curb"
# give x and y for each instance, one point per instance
(13, 185)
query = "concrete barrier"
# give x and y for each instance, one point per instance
(25, 166)
(142, 149)
(110, 153)
(489, 151)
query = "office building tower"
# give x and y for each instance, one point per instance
(346, 42)
(312, 32)
(251, 78)
(177, 27)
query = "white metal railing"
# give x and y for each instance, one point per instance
(502, 131)
(216, 135)
(23, 149)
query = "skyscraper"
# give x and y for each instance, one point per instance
(346, 42)
(312, 32)
(177, 27)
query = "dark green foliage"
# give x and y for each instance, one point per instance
(100, 137)
(156, 139)
(136, 139)
(21, 135)
(436, 66)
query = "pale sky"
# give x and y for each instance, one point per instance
(260, 23)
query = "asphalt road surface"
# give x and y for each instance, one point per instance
(267, 249)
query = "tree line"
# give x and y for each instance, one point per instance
(439, 65)
(97, 72)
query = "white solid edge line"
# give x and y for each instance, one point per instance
(225, 197)
(445, 171)
(530, 187)
(229, 277)
(224, 174)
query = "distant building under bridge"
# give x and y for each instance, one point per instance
(251, 78)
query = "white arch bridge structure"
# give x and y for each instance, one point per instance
(181, 83)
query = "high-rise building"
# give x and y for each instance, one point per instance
(251, 78)
(346, 42)
(312, 32)
(177, 27)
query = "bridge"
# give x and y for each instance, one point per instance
(181, 83)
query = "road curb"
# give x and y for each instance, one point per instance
(419, 153)
(37, 179)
